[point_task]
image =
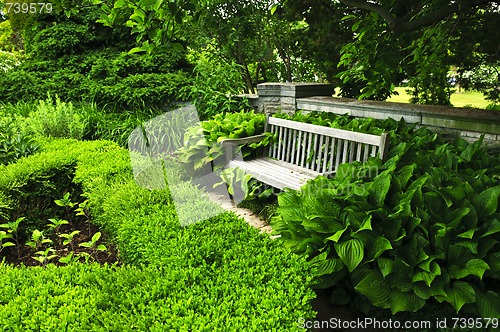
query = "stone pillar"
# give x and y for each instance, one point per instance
(275, 97)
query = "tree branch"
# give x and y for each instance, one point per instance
(373, 7)
(406, 23)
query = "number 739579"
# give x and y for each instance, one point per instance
(28, 8)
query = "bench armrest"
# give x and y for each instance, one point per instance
(230, 144)
(239, 141)
(329, 174)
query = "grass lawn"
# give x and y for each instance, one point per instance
(458, 99)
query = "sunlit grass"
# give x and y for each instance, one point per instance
(458, 99)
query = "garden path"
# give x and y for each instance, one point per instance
(250, 217)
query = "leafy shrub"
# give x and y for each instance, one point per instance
(73, 78)
(423, 226)
(214, 87)
(230, 277)
(494, 107)
(201, 142)
(6, 37)
(13, 147)
(14, 144)
(8, 61)
(139, 90)
(57, 119)
(482, 78)
(79, 59)
(98, 122)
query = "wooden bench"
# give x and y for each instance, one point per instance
(303, 151)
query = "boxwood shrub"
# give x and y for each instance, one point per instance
(219, 274)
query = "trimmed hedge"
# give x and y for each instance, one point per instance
(218, 274)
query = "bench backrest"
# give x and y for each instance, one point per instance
(321, 149)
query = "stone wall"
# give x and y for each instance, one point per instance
(468, 123)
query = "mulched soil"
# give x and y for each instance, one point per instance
(87, 230)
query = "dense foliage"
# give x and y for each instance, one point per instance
(422, 226)
(228, 268)
(14, 143)
(79, 59)
(202, 141)
(365, 48)
(53, 117)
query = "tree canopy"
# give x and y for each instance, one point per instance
(364, 47)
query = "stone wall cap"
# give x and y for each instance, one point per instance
(468, 114)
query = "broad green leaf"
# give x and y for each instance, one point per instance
(66, 259)
(377, 248)
(380, 187)
(401, 277)
(475, 267)
(468, 234)
(355, 26)
(404, 301)
(459, 255)
(385, 265)
(456, 193)
(147, 2)
(411, 251)
(348, 17)
(336, 236)
(367, 224)
(273, 8)
(485, 246)
(426, 264)
(493, 228)
(493, 260)
(459, 294)
(428, 276)
(292, 214)
(157, 4)
(315, 225)
(413, 223)
(486, 203)
(454, 218)
(120, 3)
(138, 16)
(325, 265)
(403, 209)
(289, 198)
(435, 203)
(351, 252)
(405, 174)
(469, 244)
(418, 183)
(488, 304)
(376, 289)
(96, 237)
(426, 292)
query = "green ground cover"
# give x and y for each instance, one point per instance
(216, 275)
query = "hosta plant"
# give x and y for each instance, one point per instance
(202, 142)
(424, 225)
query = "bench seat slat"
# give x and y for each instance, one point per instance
(275, 173)
(271, 166)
